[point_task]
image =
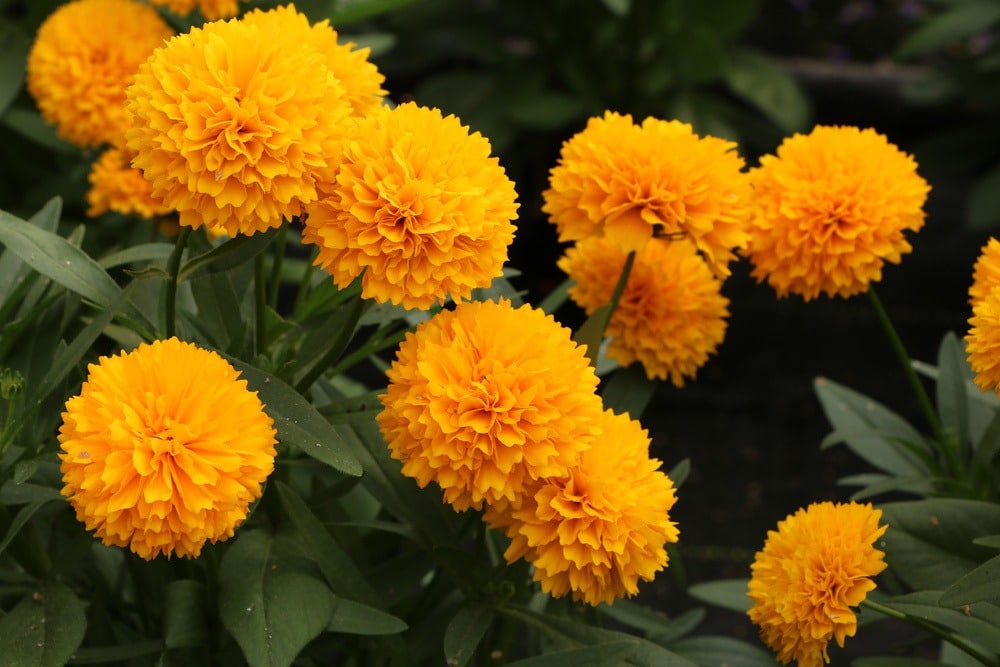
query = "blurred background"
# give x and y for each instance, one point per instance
(528, 74)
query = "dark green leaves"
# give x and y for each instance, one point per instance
(44, 629)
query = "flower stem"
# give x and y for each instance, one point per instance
(170, 297)
(946, 635)
(911, 375)
(260, 304)
(279, 257)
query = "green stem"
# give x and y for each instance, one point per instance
(260, 304)
(374, 345)
(170, 298)
(279, 257)
(358, 307)
(911, 375)
(303, 293)
(620, 287)
(946, 635)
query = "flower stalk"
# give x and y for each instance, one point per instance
(170, 295)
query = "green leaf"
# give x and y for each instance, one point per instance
(929, 543)
(979, 622)
(297, 420)
(271, 608)
(44, 629)
(886, 661)
(591, 333)
(680, 472)
(358, 619)
(596, 655)
(761, 82)
(875, 484)
(230, 254)
(465, 631)
(980, 585)
(713, 650)
(962, 21)
(652, 623)
(343, 12)
(725, 593)
(20, 519)
(953, 376)
(138, 253)
(318, 544)
(870, 430)
(13, 59)
(618, 7)
(30, 125)
(992, 541)
(13, 271)
(184, 614)
(628, 391)
(20, 494)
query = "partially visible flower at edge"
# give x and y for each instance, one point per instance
(164, 448)
(830, 209)
(418, 205)
(487, 397)
(116, 186)
(85, 55)
(812, 570)
(600, 527)
(671, 316)
(986, 271)
(212, 10)
(631, 182)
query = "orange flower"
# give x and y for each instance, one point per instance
(234, 123)
(632, 182)
(599, 527)
(831, 209)
(418, 205)
(164, 449)
(116, 186)
(812, 570)
(84, 56)
(672, 314)
(212, 10)
(986, 272)
(487, 397)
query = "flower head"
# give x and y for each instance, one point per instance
(812, 570)
(484, 398)
(84, 56)
(418, 205)
(116, 186)
(164, 448)
(671, 315)
(212, 10)
(234, 123)
(830, 209)
(986, 272)
(630, 182)
(602, 525)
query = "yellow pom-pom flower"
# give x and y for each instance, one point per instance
(830, 209)
(164, 449)
(671, 315)
(85, 55)
(812, 570)
(234, 123)
(986, 272)
(116, 186)
(360, 78)
(484, 398)
(598, 529)
(983, 340)
(211, 10)
(418, 205)
(631, 182)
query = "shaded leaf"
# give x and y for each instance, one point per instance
(44, 629)
(465, 631)
(725, 593)
(713, 650)
(359, 619)
(230, 254)
(628, 391)
(760, 81)
(962, 21)
(979, 621)
(184, 614)
(980, 585)
(953, 376)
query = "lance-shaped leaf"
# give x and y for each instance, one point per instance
(44, 629)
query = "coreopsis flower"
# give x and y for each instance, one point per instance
(116, 186)
(632, 182)
(830, 209)
(211, 10)
(671, 315)
(418, 205)
(360, 78)
(85, 55)
(986, 271)
(600, 527)
(983, 340)
(812, 570)
(235, 123)
(164, 448)
(487, 397)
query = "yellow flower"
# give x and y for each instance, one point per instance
(234, 123)
(812, 570)
(116, 186)
(212, 10)
(361, 80)
(487, 397)
(164, 449)
(84, 56)
(630, 182)
(418, 205)
(600, 527)
(986, 272)
(983, 340)
(672, 314)
(830, 209)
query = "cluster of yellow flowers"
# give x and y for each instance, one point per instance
(498, 406)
